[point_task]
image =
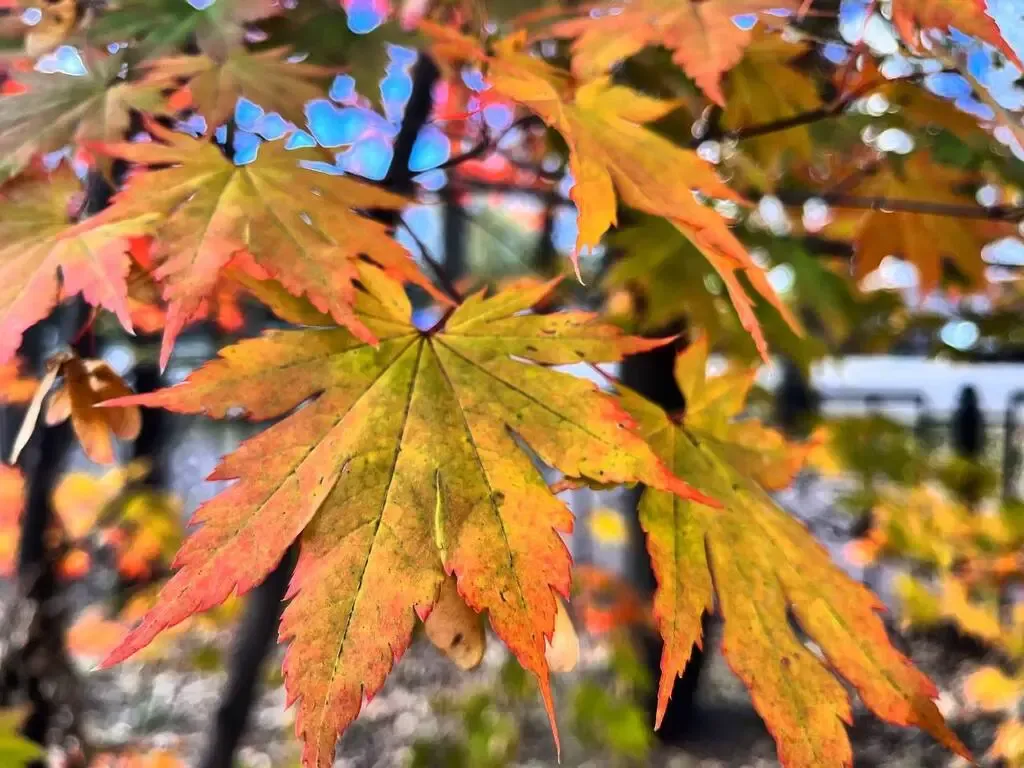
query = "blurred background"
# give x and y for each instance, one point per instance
(907, 408)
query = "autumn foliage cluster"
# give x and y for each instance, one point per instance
(404, 456)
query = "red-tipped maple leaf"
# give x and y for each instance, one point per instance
(763, 566)
(36, 242)
(403, 468)
(300, 225)
(968, 16)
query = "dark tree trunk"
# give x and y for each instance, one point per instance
(35, 670)
(253, 638)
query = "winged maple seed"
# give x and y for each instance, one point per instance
(403, 468)
(610, 150)
(763, 565)
(702, 35)
(85, 383)
(301, 226)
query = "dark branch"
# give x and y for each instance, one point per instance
(254, 639)
(1008, 213)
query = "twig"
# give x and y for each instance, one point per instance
(1007, 213)
(834, 109)
(440, 273)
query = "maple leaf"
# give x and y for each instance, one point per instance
(299, 225)
(223, 306)
(1009, 743)
(669, 277)
(968, 16)
(610, 150)
(54, 110)
(991, 690)
(920, 109)
(320, 29)
(702, 35)
(35, 245)
(767, 85)
(929, 241)
(266, 78)
(158, 26)
(403, 469)
(763, 565)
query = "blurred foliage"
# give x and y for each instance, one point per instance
(605, 716)
(960, 552)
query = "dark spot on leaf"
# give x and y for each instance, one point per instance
(457, 639)
(498, 498)
(530, 348)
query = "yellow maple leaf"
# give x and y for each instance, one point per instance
(764, 566)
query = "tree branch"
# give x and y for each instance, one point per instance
(1007, 213)
(834, 109)
(254, 639)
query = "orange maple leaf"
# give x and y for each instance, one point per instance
(927, 240)
(299, 225)
(702, 35)
(763, 565)
(404, 468)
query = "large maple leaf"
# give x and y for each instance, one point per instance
(764, 566)
(968, 16)
(53, 110)
(266, 78)
(301, 226)
(35, 246)
(702, 35)
(405, 466)
(611, 151)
